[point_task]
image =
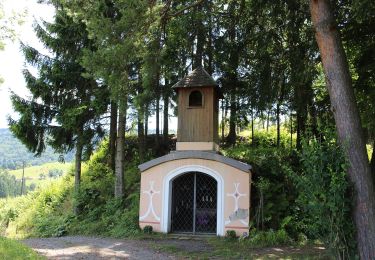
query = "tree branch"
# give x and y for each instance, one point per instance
(179, 12)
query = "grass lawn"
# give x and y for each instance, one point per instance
(33, 173)
(14, 250)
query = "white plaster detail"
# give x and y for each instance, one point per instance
(151, 192)
(236, 195)
(167, 195)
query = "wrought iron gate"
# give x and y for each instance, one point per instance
(194, 203)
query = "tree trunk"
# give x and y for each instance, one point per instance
(157, 113)
(166, 113)
(141, 135)
(231, 138)
(348, 123)
(120, 151)
(263, 121)
(233, 64)
(112, 136)
(291, 130)
(301, 124)
(77, 166)
(222, 121)
(200, 34)
(146, 120)
(268, 120)
(252, 127)
(209, 50)
(278, 109)
(278, 123)
(157, 122)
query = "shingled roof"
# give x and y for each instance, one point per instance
(197, 78)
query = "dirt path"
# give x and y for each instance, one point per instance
(79, 247)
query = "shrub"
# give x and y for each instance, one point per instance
(324, 196)
(269, 238)
(272, 192)
(231, 234)
(147, 229)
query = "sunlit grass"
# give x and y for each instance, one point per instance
(370, 150)
(32, 174)
(14, 250)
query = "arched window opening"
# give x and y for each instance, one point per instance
(195, 99)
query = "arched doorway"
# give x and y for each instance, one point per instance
(194, 204)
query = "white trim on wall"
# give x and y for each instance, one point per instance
(167, 195)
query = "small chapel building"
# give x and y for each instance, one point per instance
(194, 189)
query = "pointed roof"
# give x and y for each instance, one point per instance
(197, 78)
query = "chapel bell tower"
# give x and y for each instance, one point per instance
(198, 96)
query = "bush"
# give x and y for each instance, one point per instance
(231, 234)
(147, 230)
(269, 238)
(324, 196)
(272, 192)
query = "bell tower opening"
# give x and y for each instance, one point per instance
(195, 99)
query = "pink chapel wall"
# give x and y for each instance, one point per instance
(236, 187)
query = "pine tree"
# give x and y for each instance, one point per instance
(65, 108)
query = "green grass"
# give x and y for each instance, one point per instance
(33, 173)
(14, 250)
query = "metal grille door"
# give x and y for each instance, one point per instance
(194, 203)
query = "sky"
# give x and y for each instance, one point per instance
(11, 58)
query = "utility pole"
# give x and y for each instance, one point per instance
(23, 177)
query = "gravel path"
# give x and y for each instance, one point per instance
(79, 247)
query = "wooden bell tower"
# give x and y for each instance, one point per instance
(198, 96)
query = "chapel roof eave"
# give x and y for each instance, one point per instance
(178, 155)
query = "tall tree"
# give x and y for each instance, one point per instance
(117, 29)
(65, 108)
(348, 122)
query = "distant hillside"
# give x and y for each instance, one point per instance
(13, 153)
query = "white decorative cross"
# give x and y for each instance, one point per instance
(151, 192)
(236, 195)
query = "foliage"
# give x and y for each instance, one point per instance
(9, 187)
(11, 249)
(268, 238)
(147, 230)
(324, 201)
(64, 108)
(13, 153)
(48, 210)
(267, 138)
(231, 234)
(39, 213)
(101, 213)
(272, 192)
